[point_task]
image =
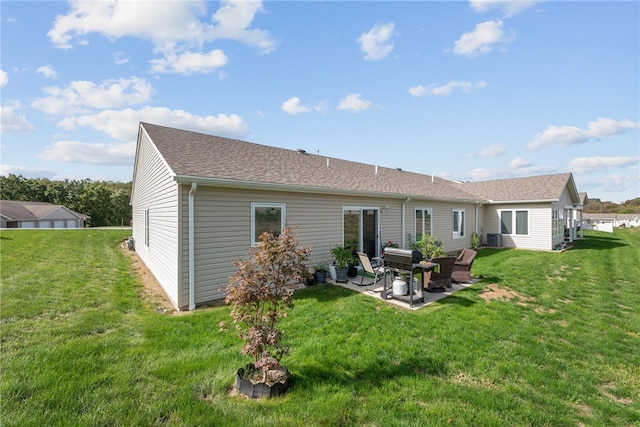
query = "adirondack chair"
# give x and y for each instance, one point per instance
(462, 267)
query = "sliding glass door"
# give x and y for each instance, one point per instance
(360, 229)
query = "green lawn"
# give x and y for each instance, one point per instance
(81, 347)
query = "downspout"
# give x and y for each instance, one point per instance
(192, 272)
(404, 204)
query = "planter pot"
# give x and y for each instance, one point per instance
(341, 274)
(320, 276)
(332, 272)
(247, 388)
(352, 272)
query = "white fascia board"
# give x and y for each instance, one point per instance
(251, 185)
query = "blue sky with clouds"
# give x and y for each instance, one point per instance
(469, 90)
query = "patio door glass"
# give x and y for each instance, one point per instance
(360, 229)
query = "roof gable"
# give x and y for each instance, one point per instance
(541, 188)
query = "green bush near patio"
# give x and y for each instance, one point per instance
(81, 345)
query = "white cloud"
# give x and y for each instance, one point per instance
(569, 135)
(4, 78)
(508, 7)
(82, 152)
(591, 164)
(83, 95)
(519, 163)
(174, 28)
(481, 40)
(11, 120)
(292, 106)
(120, 58)
(123, 124)
(491, 151)
(353, 102)
(376, 43)
(25, 171)
(234, 19)
(445, 90)
(190, 62)
(48, 71)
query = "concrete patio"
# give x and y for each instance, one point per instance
(375, 291)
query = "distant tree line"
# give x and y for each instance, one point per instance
(105, 202)
(629, 207)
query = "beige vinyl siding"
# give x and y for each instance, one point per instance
(223, 230)
(442, 223)
(539, 237)
(156, 190)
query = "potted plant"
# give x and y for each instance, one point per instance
(259, 296)
(430, 246)
(321, 274)
(341, 258)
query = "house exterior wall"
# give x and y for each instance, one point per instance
(156, 191)
(539, 237)
(62, 218)
(442, 223)
(222, 220)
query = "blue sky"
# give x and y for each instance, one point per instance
(469, 91)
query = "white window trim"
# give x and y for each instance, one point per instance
(457, 234)
(265, 205)
(513, 221)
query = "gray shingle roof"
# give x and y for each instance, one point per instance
(192, 155)
(30, 211)
(538, 188)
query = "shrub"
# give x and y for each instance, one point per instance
(430, 246)
(259, 295)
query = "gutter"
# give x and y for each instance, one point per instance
(251, 185)
(404, 204)
(192, 272)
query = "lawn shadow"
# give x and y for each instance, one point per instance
(364, 374)
(597, 242)
(322, 293)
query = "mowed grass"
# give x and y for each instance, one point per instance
(544, 339)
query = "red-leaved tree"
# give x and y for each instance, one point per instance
(259, 295)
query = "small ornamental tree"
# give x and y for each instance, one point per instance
(259, 295)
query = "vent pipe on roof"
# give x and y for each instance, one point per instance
(327, 162)
(376, 169)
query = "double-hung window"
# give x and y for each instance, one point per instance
(514, 222)
(556, 223)
(266, 217)
(458, 223)
(423, 223)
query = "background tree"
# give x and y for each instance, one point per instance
(106, 203)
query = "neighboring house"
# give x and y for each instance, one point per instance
(17, 214)
(200, 200)
(608, 221)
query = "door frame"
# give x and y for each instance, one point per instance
(361, 209)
